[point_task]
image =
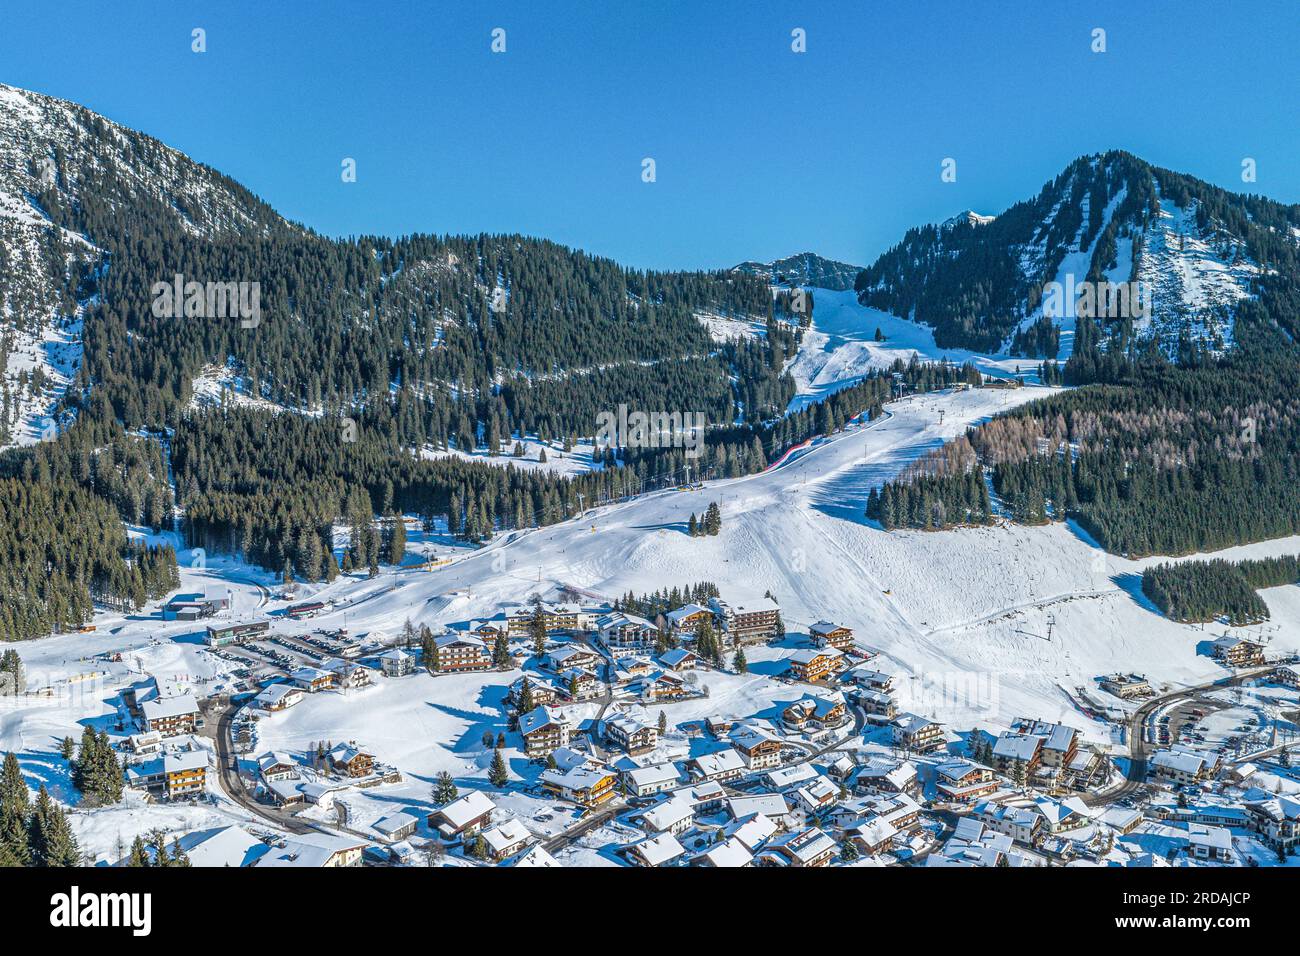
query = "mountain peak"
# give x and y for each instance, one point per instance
(805, 269)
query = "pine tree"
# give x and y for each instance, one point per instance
(663, 722)
(497, 773)
(739, 662)
(15, 807)
(501, 652)
(444, 789)
(537, 630)
(139, 857)
(526, 696)
(396, 540)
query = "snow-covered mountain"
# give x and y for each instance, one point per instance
(805, 269)
(1194, 249)
(56, 152)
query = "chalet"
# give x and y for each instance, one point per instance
(535, 857)
(273, 766)
(1276, 820)
(1020, 823)
(348, 674)
(397, 826)
(1288, 675)
(1061, 815)
(773, 806)
(722, 765)
(1238, 652)
(815, 711)
(463, 817)
(312, 679)
(316, 850)
(917, 734)
(229, 846)
(678, 659)
(277, 697)
(460, 652)
(706, 796)
(347, 760)
(752, 621)
(660, 686)
(657, 850)
(397, 662)
(718, 724)
(877, 705)
(571, 657)
(543, 693)
(543, 731)
(1184, 767)
(760, 749)
(897, 809)
(300, 611)
(1060, 743)
(872, 837)
(149, 743)
(730, 853)
(787, 778)
(1209, 843)
(752, 831)
(505, 839)
(870, 678)
(647, 781)
(630, 734)
(842, 767)
(811, 665)
(817, 796)
(170, 716)
(674, 816)
(684, 623)
(883, 774)
(1123, 820)
(826, 634)
(963, 781)
(1018, 755)
(628, 669)
(578, 683)
(583, 785)
(558, 618)
(626, 635)
(807, 848)
(185, 773)
(1126, 686)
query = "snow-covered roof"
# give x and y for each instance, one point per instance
(666, 815)
(1017, 746)
(180, 762)
(395, 822)
(731, 852)
(660, 849)
(536, 857)
(467, 809)
(722, 761)
(161, 708)
(538, 718)
(222, 846)
(504, 835)
(312, 850)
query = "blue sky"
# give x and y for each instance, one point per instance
(759, 151)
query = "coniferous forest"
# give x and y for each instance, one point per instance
(1203, 591)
